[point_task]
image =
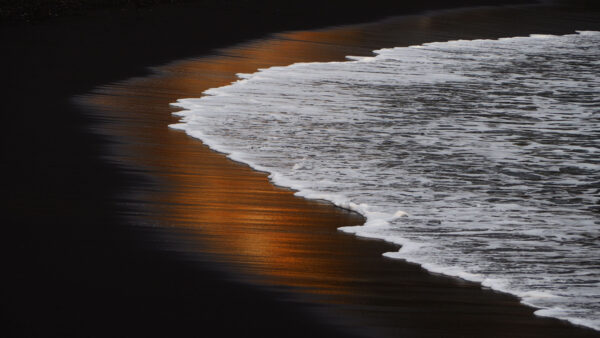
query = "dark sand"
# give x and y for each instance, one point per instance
(180, 240)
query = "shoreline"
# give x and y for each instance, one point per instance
(219, 147)
(227, 59)
(79, 260)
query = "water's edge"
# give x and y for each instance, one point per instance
(373, 218)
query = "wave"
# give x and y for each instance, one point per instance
(478, 157)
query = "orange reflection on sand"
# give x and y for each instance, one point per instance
(235, 214)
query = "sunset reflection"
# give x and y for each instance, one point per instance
(233, 213)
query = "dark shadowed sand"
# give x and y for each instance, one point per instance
(206, 210)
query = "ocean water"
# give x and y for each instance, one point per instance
(480, 158)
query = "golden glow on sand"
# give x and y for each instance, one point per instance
(235, 214)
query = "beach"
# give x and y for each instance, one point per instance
(149, 232)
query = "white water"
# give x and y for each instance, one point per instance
(481, 158)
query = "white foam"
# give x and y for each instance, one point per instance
(478, 157)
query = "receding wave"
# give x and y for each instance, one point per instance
(481, 158)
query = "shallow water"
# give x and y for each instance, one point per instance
(481, 158)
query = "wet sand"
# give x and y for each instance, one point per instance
(205, 209)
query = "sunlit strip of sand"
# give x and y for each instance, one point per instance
(227, 213)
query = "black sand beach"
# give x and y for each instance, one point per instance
(88, 249)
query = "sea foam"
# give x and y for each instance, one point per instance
(480, 158)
